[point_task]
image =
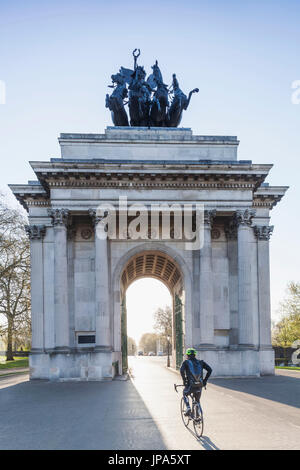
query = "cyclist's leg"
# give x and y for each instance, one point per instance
(185, 393)
(197, 395)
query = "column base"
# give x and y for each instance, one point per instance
(246, 346)
(62, 349)
(36, 351)
(100, 348)
(206, 347)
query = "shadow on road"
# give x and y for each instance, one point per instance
(204, 441)
(280, 388)
(81, 415)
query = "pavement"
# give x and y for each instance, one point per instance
(144, 412)
(14, 370)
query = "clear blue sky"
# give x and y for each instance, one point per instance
(56, 58)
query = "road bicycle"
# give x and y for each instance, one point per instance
(195, 415)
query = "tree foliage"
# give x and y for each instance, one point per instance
(287, 330)
(131, 346)
(148, 342)
(163, 325)
(14, 279)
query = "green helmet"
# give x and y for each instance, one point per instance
(190, 352)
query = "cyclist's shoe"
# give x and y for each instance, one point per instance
(187, 411)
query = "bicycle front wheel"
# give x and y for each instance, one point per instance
(198, 422)
(185, 418)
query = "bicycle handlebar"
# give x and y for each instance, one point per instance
(179, 385)
(175, 386)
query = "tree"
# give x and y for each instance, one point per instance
(163, 324)
(287, 330)
(14, 278)
(131, 346)
(148, 342)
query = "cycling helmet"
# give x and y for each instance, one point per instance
(191, 352)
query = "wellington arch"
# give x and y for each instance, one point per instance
(220, 291)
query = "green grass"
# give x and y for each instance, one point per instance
(288, 368)
(18, 362)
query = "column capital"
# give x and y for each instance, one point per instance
(209, 215)
(59, 216)
(35, 232)
(244, 216)
(263, 232)
(96, 218)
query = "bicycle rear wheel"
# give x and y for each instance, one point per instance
(198, 421)
(185, 419)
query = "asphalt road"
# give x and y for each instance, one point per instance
(143, 413)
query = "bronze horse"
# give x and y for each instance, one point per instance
(179, 103)
(160, 101)
(115, 102)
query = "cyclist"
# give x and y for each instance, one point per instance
(191, 372)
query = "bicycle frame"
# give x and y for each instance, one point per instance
(196, 414)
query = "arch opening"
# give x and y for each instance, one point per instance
(157, 265)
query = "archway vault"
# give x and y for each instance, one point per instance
(152, 264)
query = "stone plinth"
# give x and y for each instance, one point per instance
(141, 143)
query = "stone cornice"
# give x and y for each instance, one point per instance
(154, 175)
(268, 196)
(182, 136)
(30, 194)
(144, 184)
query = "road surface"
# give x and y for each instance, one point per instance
(143, 413)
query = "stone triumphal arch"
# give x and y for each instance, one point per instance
(220, 290)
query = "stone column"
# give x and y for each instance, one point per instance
(206, 286)
(231, 236)
(71, 301)
(243, 219)
(36, 234)
(61, 305)
(263, 234)
(102, 302)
